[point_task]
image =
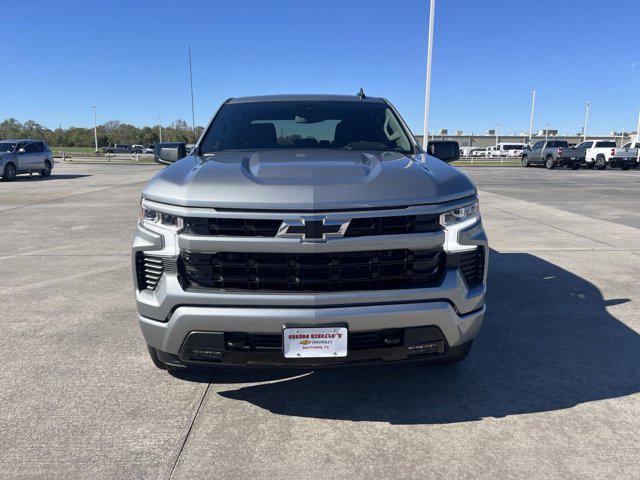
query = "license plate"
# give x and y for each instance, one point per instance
(314, 342)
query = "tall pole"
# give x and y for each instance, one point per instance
(193, 115)
(95, 129)
(425, 130)
(533, 106)
(160, 128)
(586, 121)
(497, 133)
(638, 129)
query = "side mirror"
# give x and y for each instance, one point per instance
(21, 150)
(169, 152)
(447, 151)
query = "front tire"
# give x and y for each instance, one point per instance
(10, 173)
(575, 166)
(525, 162)
(46, 171)
(624, 166)
(601, 162)
(550, 163)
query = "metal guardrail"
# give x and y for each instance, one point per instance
(65, 155)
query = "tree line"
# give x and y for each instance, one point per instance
(109, 133)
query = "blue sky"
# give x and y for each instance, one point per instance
(129, 58)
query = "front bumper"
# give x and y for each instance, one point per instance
(171, 312)
(169, 338)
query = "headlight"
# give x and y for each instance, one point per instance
(149, 216)
(460, 215)
(455, 220)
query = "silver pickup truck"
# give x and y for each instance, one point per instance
(305, 231)
(551, 154)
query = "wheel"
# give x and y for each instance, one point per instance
(575, 166)
(9, 173)
(461, 356)
(525, 161)
(624, 166)
(46, 171)
(601, 162)
(590, 165)
(550, 162)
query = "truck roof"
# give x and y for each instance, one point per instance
(305, 98)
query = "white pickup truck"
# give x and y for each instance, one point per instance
(605, 153)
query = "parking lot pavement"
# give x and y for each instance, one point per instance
(550, 390)
(612, 194)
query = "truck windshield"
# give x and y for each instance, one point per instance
(7, 147)
(513, 147)
(343, 125)
(606, 145)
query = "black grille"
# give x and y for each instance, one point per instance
(149, 269)
(335, 271)
(359, 227)
(232, 227)
(470, 263)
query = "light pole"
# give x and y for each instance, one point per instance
(533, 106)
(425, 130)
(586, 121)
(193, 115)
(160, 128)
(546, 132)
(638, 129)
(497, 133)
(95, 129)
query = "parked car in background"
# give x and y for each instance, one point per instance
(118, 148)
(467, 151)
(509, 150)
(478, 152)
(141, 149)
(551, 154)
(635, 145)
(489, 151)
(24, 156)
(603, 153)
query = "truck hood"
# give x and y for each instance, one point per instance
(307, 180)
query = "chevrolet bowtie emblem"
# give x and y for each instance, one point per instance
(313, 229)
